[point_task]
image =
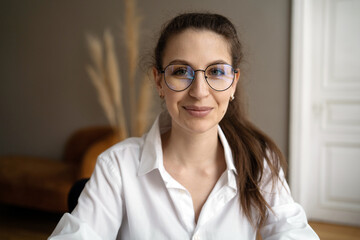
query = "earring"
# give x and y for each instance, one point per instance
(232, 97)
(161, 96)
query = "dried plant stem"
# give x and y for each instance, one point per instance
(143, 106)
(106, 79)
(104, 98)
(113, 83)
(132, 22)
(96, 53)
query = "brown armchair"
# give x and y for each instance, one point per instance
(44, 184)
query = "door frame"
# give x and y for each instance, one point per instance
(300, 99)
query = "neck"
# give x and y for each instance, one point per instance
(192, 149)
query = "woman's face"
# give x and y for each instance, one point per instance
(199, 108)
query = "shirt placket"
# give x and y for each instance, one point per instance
(184, 207)
(182, 201)
(223, 192)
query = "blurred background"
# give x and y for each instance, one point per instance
(46, 94)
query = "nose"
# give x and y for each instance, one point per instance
(199, 88)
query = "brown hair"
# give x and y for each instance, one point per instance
(249, 145)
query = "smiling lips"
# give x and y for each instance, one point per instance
(198, 111)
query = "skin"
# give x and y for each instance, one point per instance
(192, 150)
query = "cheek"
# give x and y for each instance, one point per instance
(225, 108)
(172, 99)
(223, 104)
(224, 101)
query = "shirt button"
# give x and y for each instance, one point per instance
(196, 237)
(182, 192)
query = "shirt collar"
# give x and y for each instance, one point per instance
(152, 155)
(227, 151)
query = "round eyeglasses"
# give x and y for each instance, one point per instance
(179, 77)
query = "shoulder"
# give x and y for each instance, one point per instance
(125, 152)
(132, 144)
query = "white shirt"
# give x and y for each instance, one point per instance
(131, 196)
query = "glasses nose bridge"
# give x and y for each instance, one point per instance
(198, 88)
(199, 70)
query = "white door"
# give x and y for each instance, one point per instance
(325, 109)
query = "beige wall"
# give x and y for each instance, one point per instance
(45, 93)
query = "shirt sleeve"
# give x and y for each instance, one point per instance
(99, 212)
(287, 220)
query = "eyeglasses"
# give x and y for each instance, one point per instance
(179, 77)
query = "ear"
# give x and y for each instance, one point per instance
(236, 80)
(158, 80)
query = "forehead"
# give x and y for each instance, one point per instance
(197, 47)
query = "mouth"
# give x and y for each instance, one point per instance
(198, 111)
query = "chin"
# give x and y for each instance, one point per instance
(200, 126)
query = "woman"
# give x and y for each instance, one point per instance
(203, 171)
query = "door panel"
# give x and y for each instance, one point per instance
(326, 146)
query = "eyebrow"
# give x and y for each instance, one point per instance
(184, 62)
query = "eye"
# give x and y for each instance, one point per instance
(181, 71)
(216, 71)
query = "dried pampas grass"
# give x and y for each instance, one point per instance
(104, 98)
(131, 32)
(143, 106)
(114, 84)
(106, 77)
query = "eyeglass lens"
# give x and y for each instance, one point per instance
(218, 76)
